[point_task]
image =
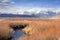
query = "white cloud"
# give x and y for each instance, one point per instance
(12, 2)
(12, 10)
(6, 3)
(20, 9)
(6, 7)
(5, 0)
(35, 10)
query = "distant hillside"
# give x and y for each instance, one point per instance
(56, 16)
(15, 15)
(41, 14)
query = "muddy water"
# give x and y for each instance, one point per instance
(17, 34)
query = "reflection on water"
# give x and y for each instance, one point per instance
(16, 34)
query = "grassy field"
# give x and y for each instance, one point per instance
(37, 29)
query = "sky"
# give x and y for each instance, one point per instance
(12, 6)
(38, 3)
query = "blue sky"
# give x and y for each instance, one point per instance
(21, 5)
(38, 3)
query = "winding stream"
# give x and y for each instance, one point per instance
(17, 34)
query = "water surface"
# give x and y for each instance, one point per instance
(17, 34)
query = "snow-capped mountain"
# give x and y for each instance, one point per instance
(46, 14)
(40, 14)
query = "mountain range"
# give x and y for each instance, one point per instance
(41, 14)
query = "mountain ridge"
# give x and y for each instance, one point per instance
(42, 14)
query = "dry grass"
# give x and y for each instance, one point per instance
(41, 29)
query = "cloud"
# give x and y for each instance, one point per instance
(5, 0)
(7, 8)
(5, 3)
(12, 9)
